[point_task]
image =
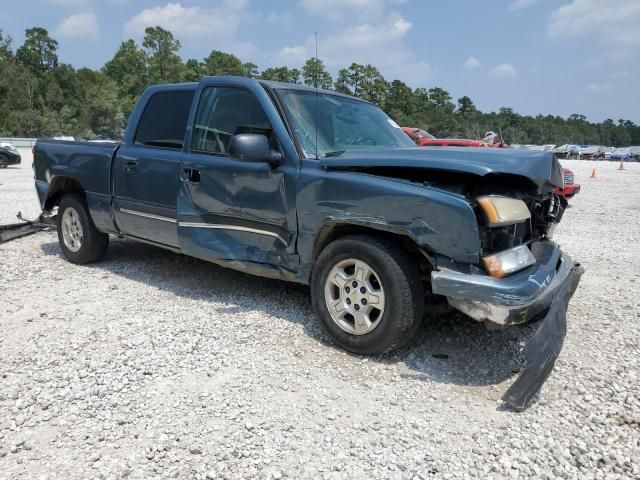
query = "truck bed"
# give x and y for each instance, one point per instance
(88, 162)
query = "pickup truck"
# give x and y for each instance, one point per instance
(319, 188)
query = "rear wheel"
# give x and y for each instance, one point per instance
(367, 294)
(80, 240)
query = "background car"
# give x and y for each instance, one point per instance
(607, 152)
(571, 188)
(621, 154)
(592, 152)
(424, 139)
(565, 151)
(9, 155)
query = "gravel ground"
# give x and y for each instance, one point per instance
(154, 365)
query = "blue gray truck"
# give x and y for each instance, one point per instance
(323, 189)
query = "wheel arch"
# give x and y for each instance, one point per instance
(59, 187)
(332, 230)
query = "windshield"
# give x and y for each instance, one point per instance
(423, 134)
(344, 124)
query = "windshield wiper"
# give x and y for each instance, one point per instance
(334, 154)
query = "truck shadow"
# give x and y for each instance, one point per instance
(449, 349)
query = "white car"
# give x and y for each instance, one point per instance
(592, 152)
(607, 152)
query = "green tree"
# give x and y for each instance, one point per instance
(466, 106)
(281, 74)
(39, 50)
(441, 100)
(128, 69)
(315, 74)
(5, 48)
(251, 70)
(221, 63)
(193, 70)
(400, 102)
(364, 81)
(350, 79)
(165, 66)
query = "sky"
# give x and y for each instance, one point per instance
(536, 56)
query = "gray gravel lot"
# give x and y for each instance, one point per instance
(154, 365)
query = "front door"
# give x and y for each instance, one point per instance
(228, 209)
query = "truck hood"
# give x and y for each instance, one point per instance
(541, 168)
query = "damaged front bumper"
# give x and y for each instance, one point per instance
(519, 298)
(543, 289)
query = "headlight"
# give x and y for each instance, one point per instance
(507, 262)
(501, 211)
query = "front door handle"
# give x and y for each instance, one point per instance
(191, 175)
(131, 166)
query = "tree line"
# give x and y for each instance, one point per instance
(41, 96)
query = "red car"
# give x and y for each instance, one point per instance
(570, 187)
(425, 139)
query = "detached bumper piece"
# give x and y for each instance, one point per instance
(26, 227)
(543, 289)
(544, 346)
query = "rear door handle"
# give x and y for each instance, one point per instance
(191, 175)
(131, 166)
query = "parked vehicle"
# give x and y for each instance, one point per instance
(315, 187)
(592, 152)
(423, 138)
(562, 151)
(571, 188)
(634, 154)
(623, 154)
(9, 155)
(607, 152)
(101, 139)
(494, 140)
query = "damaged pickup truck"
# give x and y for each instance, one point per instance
(323, 189)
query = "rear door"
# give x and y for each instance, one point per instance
(229, 209)
(146, 170)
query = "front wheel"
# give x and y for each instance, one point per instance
(367, 294)
(80, 240)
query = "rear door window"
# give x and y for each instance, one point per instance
(164, 120)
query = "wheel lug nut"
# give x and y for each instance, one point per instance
(364, 301)
(363, 290)
(347, 289)
(355, 284)
(356, 306)
(348, 301)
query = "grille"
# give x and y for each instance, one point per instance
(568, 178)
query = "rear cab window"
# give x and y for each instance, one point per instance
(164, 121)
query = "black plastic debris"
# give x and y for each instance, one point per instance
(543, 348)
(25, 227)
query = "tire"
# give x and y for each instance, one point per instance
(4, 161)
(80, 240)
(393, 274)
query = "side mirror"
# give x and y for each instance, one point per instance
(253, 147)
